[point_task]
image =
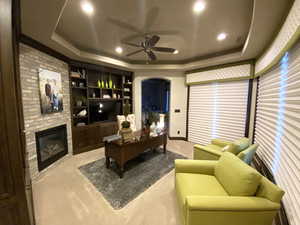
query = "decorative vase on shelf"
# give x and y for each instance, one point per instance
(102, 84)
(99, 84)
(114, 86)
(110, 84)
(106, 84)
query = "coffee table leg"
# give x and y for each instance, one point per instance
(107, 162)
(121, 171)
(165, 147)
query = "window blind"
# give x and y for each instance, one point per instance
(217, 110)
(277, 129)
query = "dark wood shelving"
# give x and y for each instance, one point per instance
(89, 136)
(79, 87)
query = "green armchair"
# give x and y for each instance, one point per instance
(214, 151)
(224, 192)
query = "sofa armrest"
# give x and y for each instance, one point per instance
(221, 142)
(229, 203)
(195, 166)
(209, 150)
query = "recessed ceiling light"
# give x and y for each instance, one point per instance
(119, 50)
(222, 36)
(87, 7)
(199, 6)
(176, 52)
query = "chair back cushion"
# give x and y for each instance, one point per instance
(121, 119)
(237, 178)
(248, 154)
(131, 119)
(241, 144)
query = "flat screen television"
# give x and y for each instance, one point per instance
(105, 111)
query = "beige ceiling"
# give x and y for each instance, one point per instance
(116, 21)
(63, 26)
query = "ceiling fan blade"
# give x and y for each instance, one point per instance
(135, 52)
(151, 55)
(153, 40)
(131, 44)
(124, 25)
(163, 49)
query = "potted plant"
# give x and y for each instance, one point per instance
(126, 131)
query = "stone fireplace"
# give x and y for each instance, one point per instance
(51, 145)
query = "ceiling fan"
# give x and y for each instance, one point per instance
(148, 46)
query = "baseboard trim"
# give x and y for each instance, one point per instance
(281, 217)
(178, 138)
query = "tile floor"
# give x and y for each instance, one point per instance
(63, 196)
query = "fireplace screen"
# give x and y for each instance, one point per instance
(51, 145)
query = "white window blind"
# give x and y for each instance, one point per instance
(217, 110)
(277, 129)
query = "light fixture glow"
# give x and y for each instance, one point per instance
(119, 50)
(222, 36)
(176, 52)
(87, 7)
(199, 6)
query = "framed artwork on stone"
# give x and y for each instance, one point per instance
(51, 96)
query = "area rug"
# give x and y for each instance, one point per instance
(139, 175)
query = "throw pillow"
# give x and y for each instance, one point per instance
(236, 177)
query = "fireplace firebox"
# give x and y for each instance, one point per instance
(51, 145)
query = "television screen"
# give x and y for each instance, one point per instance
(105, 111)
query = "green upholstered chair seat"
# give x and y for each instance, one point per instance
(191, 184)
(224, 192)
(198, 184)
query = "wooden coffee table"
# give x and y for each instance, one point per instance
(123, 152)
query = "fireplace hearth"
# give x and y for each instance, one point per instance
(51, 145)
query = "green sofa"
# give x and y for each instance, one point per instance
(224, 192)
(213, 151)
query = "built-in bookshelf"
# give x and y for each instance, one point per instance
(98, 94)
(92, 86)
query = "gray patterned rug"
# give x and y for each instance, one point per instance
(139, 175)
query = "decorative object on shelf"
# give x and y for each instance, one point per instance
(81, 84)
(110, 83)
(75, 74)
(114, 95)
(99, 84)
(82, 113)
(81, 124)
(102, 84)
(106, 96)
(51, 96)
(126, 97)
(114, 86)
(94, 95)
(80, 101)
(83, 74)
(106, 84)
(73, 84)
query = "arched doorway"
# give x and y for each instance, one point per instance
(156, 98)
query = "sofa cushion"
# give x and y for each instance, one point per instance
(241, 144)
(237, 178)
(198, 184)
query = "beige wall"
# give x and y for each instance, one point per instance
(178, 98)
